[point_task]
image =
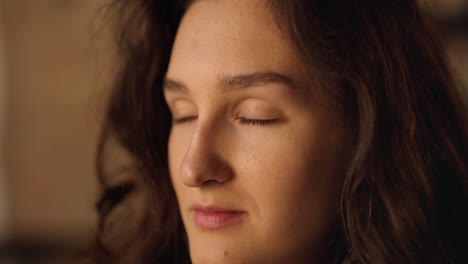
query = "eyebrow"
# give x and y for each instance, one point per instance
(234, 82)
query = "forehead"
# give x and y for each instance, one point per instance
(227, 37)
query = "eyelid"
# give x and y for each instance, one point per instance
(185, 119)
(257, 110)
(182, 110)
(257, 122)
(258, 116)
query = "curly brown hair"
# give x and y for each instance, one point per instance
(404, 198)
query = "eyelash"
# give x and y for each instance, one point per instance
(242, 121)
(256, 122)
(184, 119)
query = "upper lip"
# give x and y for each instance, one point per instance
(212, 208)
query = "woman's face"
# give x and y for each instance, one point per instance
(255, 151)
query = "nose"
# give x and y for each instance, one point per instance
(203, 164)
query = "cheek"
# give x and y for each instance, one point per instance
(294, 160)
(177, 146)
(286, 173)
(294, 182)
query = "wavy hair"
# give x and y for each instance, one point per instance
(404, 197)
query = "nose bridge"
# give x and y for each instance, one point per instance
(202, 162)
(200, 145)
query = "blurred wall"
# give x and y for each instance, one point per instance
(4, 202)
(53, 59)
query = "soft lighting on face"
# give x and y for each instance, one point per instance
(254, 158)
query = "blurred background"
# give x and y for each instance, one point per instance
(55, 58)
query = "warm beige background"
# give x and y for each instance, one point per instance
(54, 73)
(4, 203)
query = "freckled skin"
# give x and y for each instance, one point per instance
(286, 176)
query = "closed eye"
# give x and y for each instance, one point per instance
(184, 119)
(241, 120)
(256, 122)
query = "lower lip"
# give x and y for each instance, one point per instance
(214, 220)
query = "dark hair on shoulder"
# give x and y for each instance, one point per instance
(405, 195)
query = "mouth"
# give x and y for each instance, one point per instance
(212, 217)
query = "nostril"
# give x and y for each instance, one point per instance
(203, 163)
(210, 182)
(197, 171)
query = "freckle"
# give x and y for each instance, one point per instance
(225, 253)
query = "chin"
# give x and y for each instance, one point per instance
(214, 256)
(216, 252)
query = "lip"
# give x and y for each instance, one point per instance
(214, 217)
